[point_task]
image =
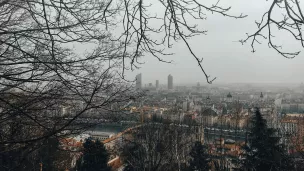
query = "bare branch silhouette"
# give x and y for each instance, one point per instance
(291, 22)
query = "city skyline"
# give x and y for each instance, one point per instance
(224, 57)
(152, 85)
(163, 81)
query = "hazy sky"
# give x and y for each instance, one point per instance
(226, 59)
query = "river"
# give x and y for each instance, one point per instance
(209, 134)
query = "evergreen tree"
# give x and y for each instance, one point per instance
(95, 157)
(199, 158)
(48, 153)
(264, 152)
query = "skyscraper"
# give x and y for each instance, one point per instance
(198, 87)
(156, 83)
(170, 82)
(138, 81)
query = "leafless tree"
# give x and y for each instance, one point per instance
(38, 62)
(41, 74)
(237, 109)
(172, 24)
(62, 60)
(158, 146)
(237, 116)
(291, 21)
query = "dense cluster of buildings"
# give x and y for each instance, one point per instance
(221, 113)
(230, 108)
(139, 85)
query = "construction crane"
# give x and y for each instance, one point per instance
(141, 111)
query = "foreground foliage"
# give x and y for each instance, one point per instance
(94, 158)
(264, 151)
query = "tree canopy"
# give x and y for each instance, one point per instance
(199, 157)
(94, 158)
(264, 151)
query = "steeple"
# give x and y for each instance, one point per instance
(261, 96)
(229, 95)
(208, 98)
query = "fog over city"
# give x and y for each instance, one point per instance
(225, 57)
(151, 85)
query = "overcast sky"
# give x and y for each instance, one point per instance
(224, 58)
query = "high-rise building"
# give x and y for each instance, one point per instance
(198, 87)
(170, 82)
(157, 84)
(138, 81)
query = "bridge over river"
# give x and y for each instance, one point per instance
(209, 133)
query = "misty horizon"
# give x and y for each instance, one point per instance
(224, 57)
(163, 81)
